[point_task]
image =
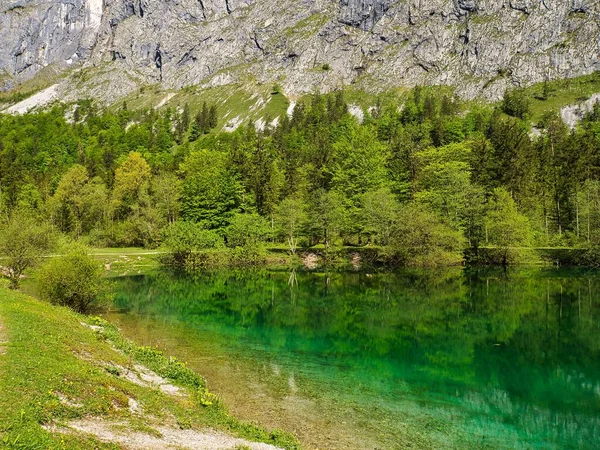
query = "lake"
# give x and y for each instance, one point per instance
(452, 359)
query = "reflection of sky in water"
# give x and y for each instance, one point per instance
(434, 360)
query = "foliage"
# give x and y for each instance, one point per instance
(328, 217)
(211, 193)
(121, 178)
(131, 186)
(23, 241)
(74, 280)
(359, 163)
(444, 180)
(419, 238)
(516, 103)
(188, 241)
(379, 214)
(247, 230)
(506, 227)
(290, 217)
(78, 203)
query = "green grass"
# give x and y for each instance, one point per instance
(129, 251)
(51, 356)
(306, 27)
(563, 93)
(249, 100)
(126, 261)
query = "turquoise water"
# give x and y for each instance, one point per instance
(453, 359)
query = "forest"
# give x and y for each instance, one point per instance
(420, 178)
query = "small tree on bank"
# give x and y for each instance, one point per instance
(22, 242)
(290, 216)
(420, 239)
(506, 228)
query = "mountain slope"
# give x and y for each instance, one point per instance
(108, 49)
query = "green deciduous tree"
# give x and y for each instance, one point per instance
(78, 203)
(211, 193)
(247, 230)
(327, 217)
(290, 217)
(22, 243)
(379, 214)
(506, 227)
(421, 239)
(166, 193)
(132, 182)
(187, 242)
(359, 163)
(443, 180)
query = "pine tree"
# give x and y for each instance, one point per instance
(203, 118)
(185, 118)
(212, 117)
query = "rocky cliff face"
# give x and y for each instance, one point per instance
(109, 48)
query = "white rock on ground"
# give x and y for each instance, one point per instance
(42, 98)
(170, 438)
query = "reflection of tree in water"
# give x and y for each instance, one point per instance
(531, 334)
(379, 310)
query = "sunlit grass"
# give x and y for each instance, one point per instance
(56, 369)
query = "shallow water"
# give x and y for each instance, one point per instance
(436, 360)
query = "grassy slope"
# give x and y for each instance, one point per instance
(562, 93)
(236, 103)
(50, 355)
(251, 101)
(45, 78)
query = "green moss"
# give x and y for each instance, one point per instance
(480, 19)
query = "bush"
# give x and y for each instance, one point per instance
(132, 232)
(74, 280)
(247, 230)
(516, 103)
(188, 236)
(420, 239)
(190, 246)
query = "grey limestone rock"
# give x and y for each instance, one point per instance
(363, 14)
(107, 49)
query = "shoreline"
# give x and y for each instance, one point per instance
(73, 381)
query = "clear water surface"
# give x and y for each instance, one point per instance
(438, 360)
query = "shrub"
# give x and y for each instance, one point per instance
(420, 239)
(247, 230)
(188, 236)
(516, 103)
(189, 244)
(74, 280)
